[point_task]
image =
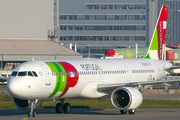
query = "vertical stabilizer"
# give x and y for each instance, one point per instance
(155, 50)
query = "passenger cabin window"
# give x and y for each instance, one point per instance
(22, 73)
(14, 73)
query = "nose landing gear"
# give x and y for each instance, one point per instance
(61, 106)
(31, 111)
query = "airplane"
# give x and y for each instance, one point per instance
(122, 80)
(3, 79)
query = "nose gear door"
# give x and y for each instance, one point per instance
(47, 74)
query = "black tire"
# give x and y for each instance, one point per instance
(29, 113)
(131, 111)
(34, 113)
(123, 112)
(59, 108)
(67, 108)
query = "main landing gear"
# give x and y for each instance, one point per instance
(129, 111)
(31, 111)
(61, 106)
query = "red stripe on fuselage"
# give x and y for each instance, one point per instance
(71, 81)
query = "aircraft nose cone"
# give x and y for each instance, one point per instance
(12, 87)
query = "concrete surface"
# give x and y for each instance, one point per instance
(92, 114)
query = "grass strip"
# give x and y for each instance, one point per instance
(7, 103)
(3, 85)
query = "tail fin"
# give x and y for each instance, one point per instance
(155, 50)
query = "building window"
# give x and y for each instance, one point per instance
(102, 38)
(102, 27)
(102, 17)
(115, 6)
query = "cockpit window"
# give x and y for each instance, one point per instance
(14, 73)
(30, 73)
(24, 73)
(35, 74)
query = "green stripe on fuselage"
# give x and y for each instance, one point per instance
(62, 76)
(60, 73)
(54, 69)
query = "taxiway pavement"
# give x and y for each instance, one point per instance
(92, 114)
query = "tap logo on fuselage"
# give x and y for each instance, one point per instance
(66, 77)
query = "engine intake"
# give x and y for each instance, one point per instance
(126, 98)
(23, 104)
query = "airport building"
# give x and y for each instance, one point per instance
(98, 25)
(24, 26)
(15, 52)
(173, 24)
(93, 25)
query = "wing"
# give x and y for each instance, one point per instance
(110, 87)
(2, 79)
(173, 67)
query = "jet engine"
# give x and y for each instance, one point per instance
(24, 105)
(126, 98)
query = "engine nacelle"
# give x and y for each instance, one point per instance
(126, 98)
(23, 104)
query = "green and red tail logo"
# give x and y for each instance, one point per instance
(66, 77)
(155, 50)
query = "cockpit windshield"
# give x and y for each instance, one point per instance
(24, 73)
(14, 73)
(35, 74)
(30, 73)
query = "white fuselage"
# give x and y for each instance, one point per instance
(60, 82)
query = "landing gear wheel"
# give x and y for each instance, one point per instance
(29, 113)
(59, 108)
(123, 112)
(67, 108)
(34, 113)
(131, 111)
(32, 105)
